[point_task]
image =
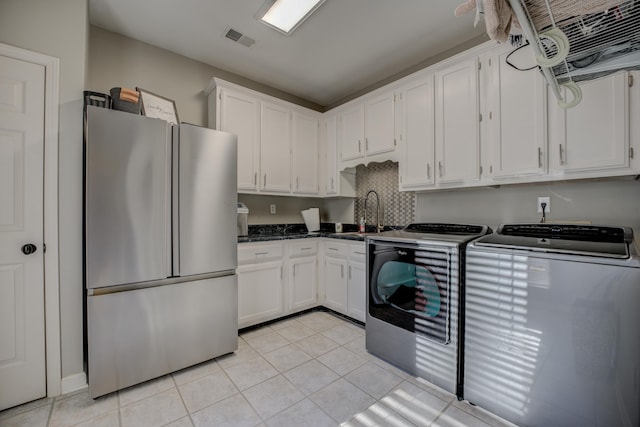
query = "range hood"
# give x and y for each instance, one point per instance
(580, 40)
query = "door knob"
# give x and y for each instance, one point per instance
(29, 248)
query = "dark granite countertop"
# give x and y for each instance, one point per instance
(264, 233)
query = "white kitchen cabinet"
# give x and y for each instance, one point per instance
(415, 120)
(335, 276)
(303, 275)
(379, 122)
(331, 155)
(240, 115)
(351, 133)
(457, 123)
(305, 153)
(275, 148)
(514, 114)
(592, 138)
(260, 282)
(366, 130)
(357, 282)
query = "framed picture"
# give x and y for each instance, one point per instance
(158, 106)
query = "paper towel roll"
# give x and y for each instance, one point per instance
(311, 218)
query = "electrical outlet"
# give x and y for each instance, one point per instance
(272, 209)
(546, 200)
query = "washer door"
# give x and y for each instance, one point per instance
(409, 288)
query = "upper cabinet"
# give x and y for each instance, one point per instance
(240, 115)
(278, 142)
(366, 130)
(306, 139)
(593, 137)
(415, 116)
(457, 123)
(514, 114)
(275, 148)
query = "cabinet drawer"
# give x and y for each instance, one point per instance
(358, 251)
(335, 249)
(255, 253)
(303, 248)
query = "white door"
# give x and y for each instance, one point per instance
(303, 290)
(352, 133)
(357, 291)
(331, 155)
(22, 340)
(335, 284)
(260, 295)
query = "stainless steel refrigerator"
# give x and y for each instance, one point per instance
(160, 247)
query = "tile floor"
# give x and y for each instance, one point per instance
(310, 370)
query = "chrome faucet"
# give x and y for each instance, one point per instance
(366, 199)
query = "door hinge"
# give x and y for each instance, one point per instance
(630, 80)
(479, 65)
(44, 245)
(481, 117)
(480, 170)
(220, 96)
(394, 142)
(631, 152)
(489, 62)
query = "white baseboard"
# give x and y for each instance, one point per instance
(73, 382)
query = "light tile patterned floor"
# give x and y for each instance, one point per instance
(311, 370)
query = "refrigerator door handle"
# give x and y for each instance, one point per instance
(173, 249)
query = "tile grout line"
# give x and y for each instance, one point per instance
(175, 384)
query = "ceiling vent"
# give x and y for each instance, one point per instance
(238, 37)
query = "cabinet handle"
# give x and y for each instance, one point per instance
(332, 183)
(359, 146)
(366, 144)
(342, 271)
(255, 178)
(262, 253)
(305, 249)
(349, 272)
(561, 154)
(294, 271)
(333, 249)
(428, 171)
(359, 253)
(539, 157)
(265, 181)
(440, 168)
(297, 183)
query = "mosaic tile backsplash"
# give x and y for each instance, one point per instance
(396, 208)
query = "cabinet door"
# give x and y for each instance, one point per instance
(335, 270)
(240, 115)
(357, 291)
(516, 119)
(457, 123)
(352, 133)
(305, 154)
(331, 155)
(379, 124)
(417, 135)
(275, 148)
(303, 289)
(260, 296)
(594, 135)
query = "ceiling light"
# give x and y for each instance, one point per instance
(286, 15)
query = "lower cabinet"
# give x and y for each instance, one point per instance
(303, 275)
(357, 282)
(280, 278)
(345, 278)
(260, 295)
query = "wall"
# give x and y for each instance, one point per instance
(396, 208)
(287, 208)
(610, 202)
(59, 29)
(115, 60)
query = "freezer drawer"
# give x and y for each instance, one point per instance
(138, 335)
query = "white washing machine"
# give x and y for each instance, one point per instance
(552, 332)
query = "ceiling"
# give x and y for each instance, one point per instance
(344, 47)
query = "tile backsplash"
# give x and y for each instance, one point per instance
(396, 208)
